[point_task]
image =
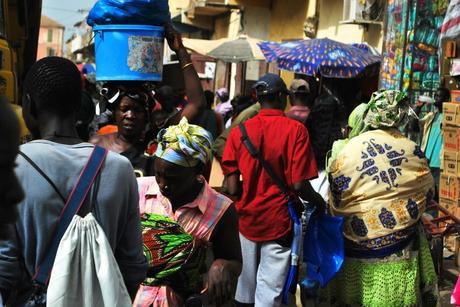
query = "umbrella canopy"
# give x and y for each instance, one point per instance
(319, 56)
(89, 68)
(241, 49)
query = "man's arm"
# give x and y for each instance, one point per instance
(303, 169)
(10, 268)
(234, 185)
(305, 191)
(414, 123)
(226, 268)
(193, 89)
(129, 253)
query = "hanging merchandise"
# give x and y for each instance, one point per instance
(411, 44)
(451, 26)
(455, 68)
(140, 12)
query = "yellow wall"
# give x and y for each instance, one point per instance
(176, 6)
(331, 13)
(287, 19)
(286, 22)
(221, 27)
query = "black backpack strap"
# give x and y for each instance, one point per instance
(39, 170)
(257, 155)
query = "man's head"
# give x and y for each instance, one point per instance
(168, 98)
(271, 92)
(52, 88)
(10, 190)
(442, 95)
(222, 94)
(240, 103)
(209, 99)
(300, 93)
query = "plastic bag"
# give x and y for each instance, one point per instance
(323, 248)
(142, 12)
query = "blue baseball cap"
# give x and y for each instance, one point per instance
(270, 84)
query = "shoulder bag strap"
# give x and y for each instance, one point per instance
(73, 204)
(257, 155)
(42, 173)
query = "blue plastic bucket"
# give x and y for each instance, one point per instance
(129, 52)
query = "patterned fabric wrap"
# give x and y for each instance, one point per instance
(405, 279)
(380, 183)
(387, 109)
(173, 256)
(166, 245)
(184, 144)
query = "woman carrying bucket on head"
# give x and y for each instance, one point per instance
(132, 104)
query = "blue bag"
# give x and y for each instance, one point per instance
(140, 12)
(323, 247)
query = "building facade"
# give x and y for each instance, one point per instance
(278, 21)
(50, 39)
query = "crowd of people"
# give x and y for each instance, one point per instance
(179, 242)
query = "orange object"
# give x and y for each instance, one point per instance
(455, 96)
(451, 49)
(109, 129)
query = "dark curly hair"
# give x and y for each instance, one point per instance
(324, 128)
(54, 84)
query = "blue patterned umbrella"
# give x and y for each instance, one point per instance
(323, 56)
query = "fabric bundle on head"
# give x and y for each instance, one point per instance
(184, 144)
(356, 120)
(387, 109)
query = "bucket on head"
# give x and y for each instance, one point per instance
(129, 52)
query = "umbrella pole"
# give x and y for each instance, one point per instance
(243, 78)
(320, 85)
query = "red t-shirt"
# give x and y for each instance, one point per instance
(262, 209)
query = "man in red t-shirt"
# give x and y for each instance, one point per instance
(264, 221)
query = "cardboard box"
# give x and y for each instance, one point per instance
(452, 206)
(450, 161)
(449, 187)
(451, 138)
(451, 114)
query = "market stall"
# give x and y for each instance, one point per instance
(410, 57)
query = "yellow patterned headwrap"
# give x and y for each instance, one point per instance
(184, 144)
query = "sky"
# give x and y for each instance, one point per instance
(66, 12)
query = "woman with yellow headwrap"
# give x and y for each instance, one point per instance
(183, 216)
(380, 182)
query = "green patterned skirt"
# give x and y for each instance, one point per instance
(407, 278)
